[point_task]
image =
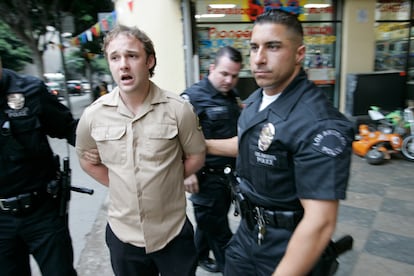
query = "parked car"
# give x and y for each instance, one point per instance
(74, 87)
(55, 89)
(86, 86)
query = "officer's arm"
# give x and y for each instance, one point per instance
(223, 147)
(310, 238)
(98, 171)
(57, 120)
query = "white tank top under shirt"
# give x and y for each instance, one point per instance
(266, 100)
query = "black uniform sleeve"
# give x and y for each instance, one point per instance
(57, 120)
(322, 165)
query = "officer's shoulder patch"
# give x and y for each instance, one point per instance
(329, 142)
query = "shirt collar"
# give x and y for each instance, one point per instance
(154, 96)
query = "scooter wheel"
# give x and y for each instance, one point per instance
(375, 157)
(407, 148)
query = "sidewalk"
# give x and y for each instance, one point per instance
(378, 213)
(94, 259)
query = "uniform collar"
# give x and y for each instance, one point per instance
(287, 100)
(290, 96)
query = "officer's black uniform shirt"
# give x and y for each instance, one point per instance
(218, 115)
(26, 159)
(297, 147)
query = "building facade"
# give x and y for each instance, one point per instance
(342, 37)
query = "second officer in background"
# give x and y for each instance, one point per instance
(218, 106)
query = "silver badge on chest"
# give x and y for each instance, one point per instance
(266, 136)
(15, 101)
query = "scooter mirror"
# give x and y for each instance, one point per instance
(375, 115)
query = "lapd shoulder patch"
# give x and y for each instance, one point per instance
(329, 142)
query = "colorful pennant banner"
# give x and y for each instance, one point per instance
(104, 25)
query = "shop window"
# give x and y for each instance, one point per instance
(391, 46)
(319, 60)
(220, 24)
(394, 48)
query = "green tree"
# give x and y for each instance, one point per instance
(76, 66)
(29, 20)
(13, 52)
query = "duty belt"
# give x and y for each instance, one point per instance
(279, 219)
(213, 170)
(23, 203)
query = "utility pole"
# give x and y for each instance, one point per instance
(61, 48)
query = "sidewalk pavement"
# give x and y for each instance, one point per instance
(378, 213)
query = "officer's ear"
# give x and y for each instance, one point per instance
(300, 54)
(211, 67)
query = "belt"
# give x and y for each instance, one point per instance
(278, 219)
(23, 203)
(213, 170)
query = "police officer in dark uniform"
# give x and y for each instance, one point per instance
(29, 216)
(294, 159)
(218, 107)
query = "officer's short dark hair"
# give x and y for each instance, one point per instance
(282, 17)
(230, 52)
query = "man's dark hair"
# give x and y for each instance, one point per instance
(230, 52)
(287, 19)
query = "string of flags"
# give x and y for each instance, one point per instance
(104, 25)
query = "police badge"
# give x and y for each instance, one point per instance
(266, 136)
(15, 100)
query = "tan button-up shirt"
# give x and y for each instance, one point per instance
(144, 155)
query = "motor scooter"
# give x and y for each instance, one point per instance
(393, 134)
(407, 147)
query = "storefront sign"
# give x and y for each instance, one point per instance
(227, 26)
(214, 33)
(247, 10)
(212, 38)
(392, 10)
(321, 75)
(318, 30)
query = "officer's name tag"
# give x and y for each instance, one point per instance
(265, 159)
(18, 113)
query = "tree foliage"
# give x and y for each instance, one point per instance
(29, 20)
(76, 67)
(13, 52)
